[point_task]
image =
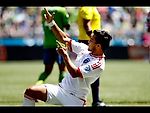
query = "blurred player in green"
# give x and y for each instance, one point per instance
(148, 22)
(88, 20)
(50, 54)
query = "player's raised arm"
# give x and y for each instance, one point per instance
(60, 35)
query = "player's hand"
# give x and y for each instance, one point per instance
(48, 17)
(62, 51)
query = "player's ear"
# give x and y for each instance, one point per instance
(98, 45)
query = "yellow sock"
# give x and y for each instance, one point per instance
(39, 82)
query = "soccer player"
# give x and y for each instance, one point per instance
(146, 35)
(50, 54)
(148, 22)
(148, 30)
(89, 64)
(88, 20)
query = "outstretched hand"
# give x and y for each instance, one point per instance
(62, 51)
(48, 17)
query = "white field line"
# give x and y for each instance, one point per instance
(128, 105)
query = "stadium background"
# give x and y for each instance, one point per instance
(21, 39)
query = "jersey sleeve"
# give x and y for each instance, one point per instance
(91, 69)
(86, 13)
(77, 47)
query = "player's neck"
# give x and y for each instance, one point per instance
(97, 53)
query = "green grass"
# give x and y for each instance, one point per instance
(124, 82)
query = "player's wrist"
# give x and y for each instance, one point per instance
(51, 24)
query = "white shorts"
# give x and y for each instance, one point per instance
(58, 96)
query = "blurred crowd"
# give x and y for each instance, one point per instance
(126, 24)
(20, 22)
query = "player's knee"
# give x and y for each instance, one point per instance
(28, 91)
(29, 94)
(36, 92)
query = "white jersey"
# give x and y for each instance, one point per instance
(90, 66)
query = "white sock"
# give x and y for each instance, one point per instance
(28, 102)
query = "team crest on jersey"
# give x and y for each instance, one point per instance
(86, 60)
(87, 68)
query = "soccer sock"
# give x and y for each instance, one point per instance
(41, 78)
(28, 102)
(39, 82)
(61, 76)
(95, 91)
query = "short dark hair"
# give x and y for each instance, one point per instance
(103, 38)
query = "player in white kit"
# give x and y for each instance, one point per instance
(89, 64)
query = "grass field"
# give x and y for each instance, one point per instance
(124, 82)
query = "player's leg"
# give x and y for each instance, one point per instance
(34, 93)
(95, 94)
(95, 91)
(48, 60)
(58, 96)
(62, 67)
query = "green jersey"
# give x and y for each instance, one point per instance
(61, 17)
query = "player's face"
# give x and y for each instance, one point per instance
(92, 43)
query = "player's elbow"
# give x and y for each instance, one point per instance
(76, 74)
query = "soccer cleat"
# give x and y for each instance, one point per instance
(39, 82)
(99, 104)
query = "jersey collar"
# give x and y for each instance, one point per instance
(103, 56)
